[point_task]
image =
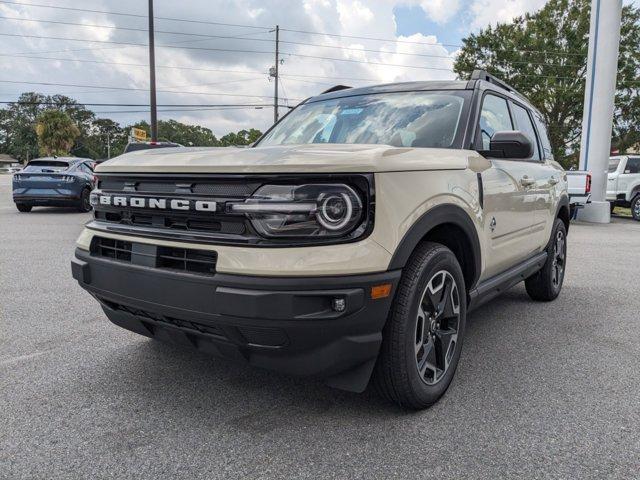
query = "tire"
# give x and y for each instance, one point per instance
(23, 207)
(85, 203)
(635, 208)
(415, 332)
(612, 207)
(546, 284)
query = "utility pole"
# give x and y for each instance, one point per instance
(152, 77)
(108, 145)
(275, 76)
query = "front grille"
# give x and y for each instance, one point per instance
(110, 248)
(168, 258)
(187, 260)
(185, 222)
(173, 223)
(213, 188)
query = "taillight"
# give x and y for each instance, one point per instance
(588, 186)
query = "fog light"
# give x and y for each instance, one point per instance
(339, 305)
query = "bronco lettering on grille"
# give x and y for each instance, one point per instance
(158, 203)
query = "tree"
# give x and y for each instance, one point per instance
(56, 133)
(543, 55)
(243, 137)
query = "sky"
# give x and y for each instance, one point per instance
(218, 52)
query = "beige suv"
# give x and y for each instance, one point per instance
(348, 244)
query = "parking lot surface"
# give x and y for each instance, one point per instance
(543, 390)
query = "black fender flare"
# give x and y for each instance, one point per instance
(434, 217)
(564, 202)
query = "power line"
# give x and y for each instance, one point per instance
(94, 49)
(300, 55)
(102, 104)
(122, 14)
(104, 87)
(131, 44)
(179, 110)
(411, 42)
(131, 29)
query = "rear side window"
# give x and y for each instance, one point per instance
(494, 117)
(523, 123)
(544, 136)
(83, 167)
(633, 165)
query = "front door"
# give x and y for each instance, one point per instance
(508, 196)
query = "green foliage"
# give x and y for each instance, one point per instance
(19, 120)
(243, 137)
(543, 55)
(56, 133)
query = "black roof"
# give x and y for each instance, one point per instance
(394, 87)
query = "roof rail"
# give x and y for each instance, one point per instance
(487, 77)
(335, 88)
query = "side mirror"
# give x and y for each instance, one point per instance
(510, 144)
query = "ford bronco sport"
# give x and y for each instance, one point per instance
(348, 244)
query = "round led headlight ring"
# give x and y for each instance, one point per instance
(334, 211)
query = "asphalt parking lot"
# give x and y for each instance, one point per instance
(543, 390)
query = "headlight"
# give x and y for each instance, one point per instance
(310, 210)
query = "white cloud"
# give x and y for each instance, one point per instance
(490, 12)
(440, 11)
(203, 66)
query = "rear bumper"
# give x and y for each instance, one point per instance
(280, 323)
(46, 199)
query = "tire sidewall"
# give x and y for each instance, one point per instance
(85, 207)
(634, 204)
(444, 260)
(559, 225)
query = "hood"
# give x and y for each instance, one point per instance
(313, 158)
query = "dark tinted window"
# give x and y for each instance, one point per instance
(523, 123)
(633, 165)
(83, 167)
(544, 136)
(493, 118)
(46, 166)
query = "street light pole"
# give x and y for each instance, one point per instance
(275, 95)
(152, 77)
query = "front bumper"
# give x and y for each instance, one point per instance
(286, 324)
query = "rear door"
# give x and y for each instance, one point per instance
(509, 216)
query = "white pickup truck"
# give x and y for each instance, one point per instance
(623, 185)
(579, 189)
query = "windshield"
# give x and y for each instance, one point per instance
(613, 164)
(47, 166)
(400, 119)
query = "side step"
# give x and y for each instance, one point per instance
(494, 286)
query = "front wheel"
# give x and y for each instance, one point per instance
(635, 208)
(422, 338)
(546, 284)
(85, 201)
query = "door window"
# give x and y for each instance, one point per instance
(494, 117)
(544, 136)
(633, 165)
(523, 123)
